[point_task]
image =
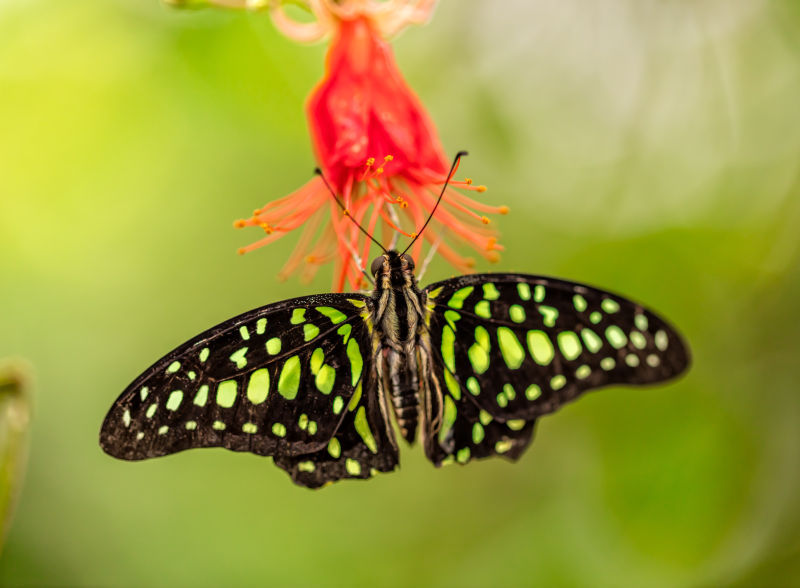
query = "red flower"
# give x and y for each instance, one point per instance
(379, 150)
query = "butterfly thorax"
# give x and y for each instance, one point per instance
(398, 316)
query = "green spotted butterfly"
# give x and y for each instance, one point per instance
(465, 365)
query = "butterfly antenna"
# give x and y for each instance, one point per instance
(453, 167)
(344, 209)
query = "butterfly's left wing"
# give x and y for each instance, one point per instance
(509, 348)
(293, 380)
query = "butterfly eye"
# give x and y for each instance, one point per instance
(409, 261)
(376, 266)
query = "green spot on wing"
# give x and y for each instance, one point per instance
(533, 392)
(448, 348)
(362, 428)
(458, 297)
(591, 340)
(549, 315)
(482, 309)
(261, 326)
(478, 353)
(201, 397)
(579, 302)
(174, 400)
(616, 337)
(298, 316)
(204, 354)
(510, 348)
(477, 433)
(356, 361)
(336, 316)
(334, 448)
(661, 340)
(352, 466)
(274, 346)
(338, 405)
(249, 428)
(226, 393)
(538, 293)
(279, 429)
(452, 385)
(524, 291)
(258, 386)
(641, 322)
(289, 380)
(595, 317)
(609, 305)
(638, 340)
(244, 333)
(344, 331)
(355, 399)
(238, 357)
(517, 313)
(473, 386)
(325, 379)
(448, 418)
(173, 367)
(310, 331)
(463, 455)
(516, 424)
(317, 359)
(451, 316)
(558, 382)
(569, 344)
(490, 292)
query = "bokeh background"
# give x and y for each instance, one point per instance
(651, 147)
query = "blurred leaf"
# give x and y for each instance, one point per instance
(15, 412)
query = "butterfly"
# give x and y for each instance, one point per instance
(465, 366)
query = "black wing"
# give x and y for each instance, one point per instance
(282, 380)
(513, 347)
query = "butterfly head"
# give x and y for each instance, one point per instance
(393, 270)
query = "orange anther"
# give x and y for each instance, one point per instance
(503, 210)
(370, 161)
(239, 223)
(481, 188)
(256, 212)
(493, 257)
(388, 158)
(379, 170)
(468, 181)
(403, 204)
(469, 262)
(242, 251)
(490, 243)
(485, 220)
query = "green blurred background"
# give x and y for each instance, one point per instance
(651, 147)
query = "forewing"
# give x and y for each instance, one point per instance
(273, 381)
(520, 346)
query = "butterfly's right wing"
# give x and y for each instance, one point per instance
(284, 380)
(509, 348)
